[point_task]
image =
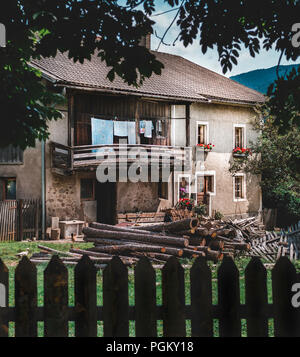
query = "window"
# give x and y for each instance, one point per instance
(8, 189)
(239, 136)
(239, 187)
(183, 187)
(205, 184)
(11, 155)
(202, 133)
(87, 189)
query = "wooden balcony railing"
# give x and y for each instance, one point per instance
(78, 158)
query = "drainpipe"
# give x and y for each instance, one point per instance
(43, 192)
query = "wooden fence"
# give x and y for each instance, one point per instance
(116, 312)
(20, 219)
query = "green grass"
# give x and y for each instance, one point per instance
(8, 251)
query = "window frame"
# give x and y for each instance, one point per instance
(206, 173)
(244, 137)
(179, 177)
(92, 198)
(3, 187)
(206, 134)
(244, 192)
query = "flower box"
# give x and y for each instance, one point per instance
(241, 152)
(206, 147)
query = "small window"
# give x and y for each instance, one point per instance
(239, 137)
(8, 191)
(202, 134)
(163, 190)
(239, 187)
(87, 189)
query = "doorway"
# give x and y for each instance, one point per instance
(106, 197)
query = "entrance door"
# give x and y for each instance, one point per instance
(106, 196)
(204, 186)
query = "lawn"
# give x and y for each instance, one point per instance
(9, 250)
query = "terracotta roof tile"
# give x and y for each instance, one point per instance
(180, 79)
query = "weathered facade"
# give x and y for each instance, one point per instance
(183, 115)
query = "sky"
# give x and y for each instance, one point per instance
(193, 52)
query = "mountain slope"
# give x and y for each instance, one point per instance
(260, 79)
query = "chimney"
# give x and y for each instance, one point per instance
(146, 41)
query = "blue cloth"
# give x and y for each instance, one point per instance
(131, 133)
(142, 126)
(102, 132)
(120, 128)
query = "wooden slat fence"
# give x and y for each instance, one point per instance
(115, 313)
(274, 245)
(20, 219)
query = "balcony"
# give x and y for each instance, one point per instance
(66, 159)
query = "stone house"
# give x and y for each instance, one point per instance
(169, 119)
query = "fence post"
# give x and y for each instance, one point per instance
(85, 298)
(229, 299)
(286, 317)
(145, 299)
(256, 299)
(173, 299)
(25, 299)
(20, 219)
(115, 299)
(56, 299)
(201, 299)
(4, 298)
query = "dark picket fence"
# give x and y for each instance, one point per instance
(116, 312)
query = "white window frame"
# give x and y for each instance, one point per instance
(243, 126)
(180, 176)
(244, 187)
(205, 123)
(206, 173)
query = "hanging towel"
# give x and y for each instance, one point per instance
(120, 128)
(102, 132)
(131, 132)
(142, 127)
(148, 129)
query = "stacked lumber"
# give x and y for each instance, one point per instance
(158, 242)
(185, 238)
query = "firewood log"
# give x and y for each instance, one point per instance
(182, 225)
(94, 235)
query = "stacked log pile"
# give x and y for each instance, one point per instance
(186, 238)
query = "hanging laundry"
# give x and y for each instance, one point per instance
(148, 129)
(120, 128)
(131, 128)
(102, 132)
(142, 126)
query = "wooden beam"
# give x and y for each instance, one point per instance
(71, 118)
(137, 121)
(187, 124)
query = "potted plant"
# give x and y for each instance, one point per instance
(200, 209)
(241, 152)
(185, 203)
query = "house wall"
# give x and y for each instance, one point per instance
(221, 120)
